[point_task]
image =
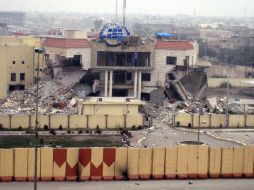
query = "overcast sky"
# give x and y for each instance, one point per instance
(166, 7)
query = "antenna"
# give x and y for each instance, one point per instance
(116, 11)
(124, 11)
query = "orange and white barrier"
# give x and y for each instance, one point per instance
(20, 164)
(158, 163)
(46, 164)
(227, 162)
(30, 165)
(145, 163)
(121, 163)
(192, 168)
(84, 163)
(215, 162)
(109, 157)
(238, 158)
(248, 161)
(59, 167)
(133, 161)
(171, 163)
(203, 161)
(96, 169)
(182, 162)
(72, 162)
(6, 165)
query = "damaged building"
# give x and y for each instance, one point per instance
(122, 65)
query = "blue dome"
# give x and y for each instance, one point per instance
(114, 31)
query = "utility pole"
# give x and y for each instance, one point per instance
(38, 51)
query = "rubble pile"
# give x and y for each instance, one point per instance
(55, 96)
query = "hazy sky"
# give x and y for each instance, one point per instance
(166, 7)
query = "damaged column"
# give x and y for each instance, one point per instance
(110, 83)
(106, 84)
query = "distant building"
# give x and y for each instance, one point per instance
(17, 64)
(12, 18)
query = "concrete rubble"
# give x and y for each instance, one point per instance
(55, 96)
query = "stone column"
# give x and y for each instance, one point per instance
(110, 83)
(135, 83)
(139, 84)
(106, 84)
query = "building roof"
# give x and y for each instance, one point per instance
(174, 45)
(66, 43)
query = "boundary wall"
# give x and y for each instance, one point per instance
(213, 121)
(72, 121)
(100, 163)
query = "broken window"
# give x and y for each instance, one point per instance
(171, 60)
(21, 87)
(13, 76)
(146, 77)
(22, 76)
(145, 96)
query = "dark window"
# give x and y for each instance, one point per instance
(146, 77)
(171, 60)
(23, 62)
(129, 76)
(145, 96)
(13, 76)
(13, 62)
(22, 76)
(22, 87)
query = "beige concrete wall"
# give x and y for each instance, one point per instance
(95, 120)
(214, 120)
(78, 121)
(42, 119)
(134, 120)
(115, 122)
(20, 164)
(235, 82)
(57, 120)
(145, 163)
(5, 121)
(19, 121)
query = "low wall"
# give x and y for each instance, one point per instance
(98, 163)
(213, 120)
(72, 121)
(235, 82)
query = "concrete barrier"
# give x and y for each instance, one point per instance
(5, 121)
(97, 120)
(204, 121)
(96, 163)
(158, 167)
(85, 163)
(121, 163)
(218, 120)
(171, 163)
(78, 122)
(236, 121)
(115, 122)
(227, 162)
(215, 162)
(133, 161)
(72, 162)
(46, 164)
(30, 166)
(20, 164)
(109, 157)
(19, 121)
(58, 120)
(6, 165)
(182, 162)
(238, 161)
(145, 163)
(42, 119)
(192, 161)
(248, 161)
(59, 165)
(203, 160)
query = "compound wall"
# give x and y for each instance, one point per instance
(100, 163)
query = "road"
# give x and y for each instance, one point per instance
(218, 184)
